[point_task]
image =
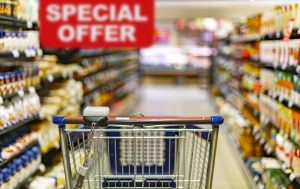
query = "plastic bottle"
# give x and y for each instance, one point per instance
(30, 165)
(6, 179)
(18, 164)
(12, 169)
(25, 161)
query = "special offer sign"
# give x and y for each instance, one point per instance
(96, 23)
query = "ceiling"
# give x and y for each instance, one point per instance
(170, 10)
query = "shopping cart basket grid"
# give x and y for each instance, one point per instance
(139, 152)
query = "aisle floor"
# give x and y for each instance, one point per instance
(192, 101)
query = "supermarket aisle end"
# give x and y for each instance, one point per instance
(165, 100)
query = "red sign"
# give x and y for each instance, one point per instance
(96, 24)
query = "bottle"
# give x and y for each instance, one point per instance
(6, 179)
(1, 180)
(18, 164)
(25, 160)
(12, 169)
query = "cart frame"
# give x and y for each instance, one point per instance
(103, 121)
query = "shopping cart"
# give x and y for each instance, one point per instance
(138, 152)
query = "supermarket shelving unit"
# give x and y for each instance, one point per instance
(122, 101)
(229, 87)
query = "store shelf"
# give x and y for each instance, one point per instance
(272, 36)
(283, 101)
(20, 124)
(4, 162)
(246, 39)
(48, 157)
(56, 77)
(14, 23)
(20, 92)
(242, 163)
(27, 180)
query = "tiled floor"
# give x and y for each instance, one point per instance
(192, 101)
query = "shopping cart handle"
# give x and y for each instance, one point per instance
(216, 120)
(213, 120)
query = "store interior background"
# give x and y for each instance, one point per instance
(205, 60)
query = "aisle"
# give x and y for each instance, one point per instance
(191, 101)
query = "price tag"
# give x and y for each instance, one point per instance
(21, 93)
(33, 52)
(31, 89)
(57, 146)
(39, 52)
(284, 66)
(280, 98)
(65, 75)
(290, 104)
(284, 167)
(29, 24)
(298, 69)
(42, 168)
(277, 34)
(292, 176)
(270, 93)
(50, 78)
(269, 149)
(257, 136)
(27, 53)
(262, 141)
(15, 53)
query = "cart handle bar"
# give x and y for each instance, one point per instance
(213, 120)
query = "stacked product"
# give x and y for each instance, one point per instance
(269, 65)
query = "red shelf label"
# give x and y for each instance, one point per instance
(96, 24)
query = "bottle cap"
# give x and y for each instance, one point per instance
(30, 155)
(25, 160)
(18, 163)
(12, 167)
(6, 174)
(36, 151)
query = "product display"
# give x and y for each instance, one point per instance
(268, 86)
(241, 61)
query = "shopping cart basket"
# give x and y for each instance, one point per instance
(138, 152)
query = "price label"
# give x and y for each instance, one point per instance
(50, 78)
(31, 89)
(42, 116)
(269, 150)
(283, 66)
(29, 24)
(42, 168)
(27, 53)
(270, 93)
(33, 52)
(280, 98)
(15, 53)
(292, 176)
(262, 141)
(257, 136)
(277, 34)
(290, 104)
(65, 75)
(57, 146)
(21, 93)
(39, 52)
(298, 69)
